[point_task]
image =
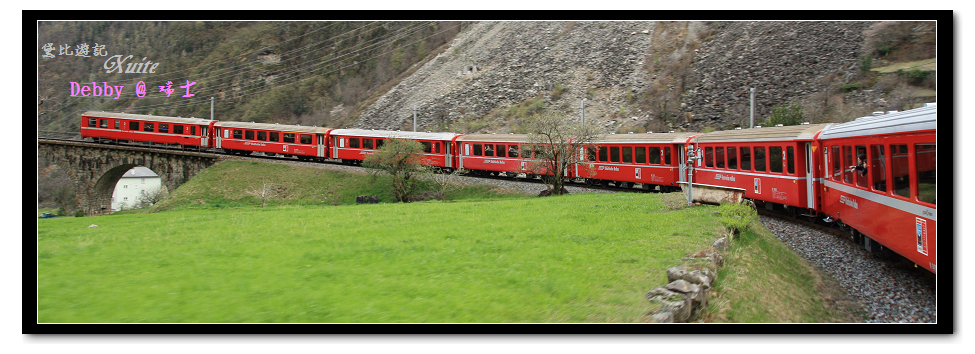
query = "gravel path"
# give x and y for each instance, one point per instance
(888, 294)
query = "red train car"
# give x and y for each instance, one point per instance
(652, 159)
(353, 145)
(305, 143)
(774, 165)
(125, 127)
(497, 154)
(891, 200)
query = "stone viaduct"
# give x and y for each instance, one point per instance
(94, 169)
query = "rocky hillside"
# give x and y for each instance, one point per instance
(658, 76)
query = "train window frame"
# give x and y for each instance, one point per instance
(900, 185)
(249, 134)
(117, 123)
(502, 150)
(640, 154)
(379, 143)
(591, 152)
(274, 136)
(759, 155)
(709, 156)
(719, 161)
(732, 153)
(746, 158)
(290, 138)
(305, 139)
(626, 154)
(878, 168)
(836, 163)
(103, 123)
(861, 180)
(917, 183)
(614, 154)
(513, 151)
(367, 143)
(238, 134)
(133, 125)
(653, 155)
(261, 135)
(353, 143)
(478, 150)
(847, 152)
(92, 122)
(488, 150)
(667, 154)
(603, 154)
(164, 128)
(526, 152)
(775, 164)
(178, 129)
(148, 127)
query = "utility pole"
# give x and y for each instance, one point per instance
(211, 108)
(583, 109)
(751, 119)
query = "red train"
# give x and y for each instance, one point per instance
(876, 175)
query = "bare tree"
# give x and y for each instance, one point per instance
(443, 181)
(403, 160)
(265, 192)
(151, 196)
(557, 141)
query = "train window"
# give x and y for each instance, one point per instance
(900, 169)
(775, 159)
(614, 154)
(837, 162)
(760, 158)
(488, 149)
(790, 155)
(427, 147)
(654, 155)
(709, 156)
(746, 158)
(627, 154)
(249, 134)
(177, 129)
(603, 154)
(719, 157)
(92, 122)
(379, 143)
(148, 127)
(640, 154)
(262, 136)
(878, 167)
(193, 130)
(478, 150)
(353, 142)
(526, 152)
(861, 160)
(117, 122)
(667, 155)
(304, 138)
(367, 143)
(847, 162)
(732, 158)
(926, 156)
(592, 153)
(238, 134)
(163, 128)
(274, 136)
(290, 138)
(513, 150)
(436, 147)
(103, 123)
(501, 150)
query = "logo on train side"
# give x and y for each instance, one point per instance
(719, 176)
(779, 195)
(608, 168)
(849, 202)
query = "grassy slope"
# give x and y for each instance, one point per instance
(580, 258)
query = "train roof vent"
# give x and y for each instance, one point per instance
(805, 123)
(758, 126)
(737, 128)
(931, 104)
(630, 133)
(878, 113)
(779, 125)
(671, 131)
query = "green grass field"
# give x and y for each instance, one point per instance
(210, 253)
(530, 260)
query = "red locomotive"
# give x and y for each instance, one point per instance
(123, 127)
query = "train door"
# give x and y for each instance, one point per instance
(810, 178)
(321, 145)
(448, 157)
(204, 138)
(218, 140)
(682, 162)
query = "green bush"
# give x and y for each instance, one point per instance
(786, 115)
(79, 214)
(916, 76)
(850, 87)
(737, 216)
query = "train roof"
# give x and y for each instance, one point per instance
(131, 116)
(924, 118)
(273, 126)
(792, 132)
(499, 138)
(394, 134)
(646, 138)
